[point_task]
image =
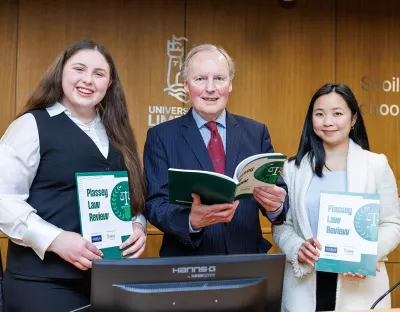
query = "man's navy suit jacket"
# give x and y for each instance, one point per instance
(178, 144)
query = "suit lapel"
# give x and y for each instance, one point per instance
(233, 137)
(356, 169)
(193, 138)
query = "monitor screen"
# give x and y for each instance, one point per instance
(202, 283)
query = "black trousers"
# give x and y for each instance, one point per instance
(26, 293)
(326, 291)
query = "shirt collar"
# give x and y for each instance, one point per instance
(200, 121)
(58, 109)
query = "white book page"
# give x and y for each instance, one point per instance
(244, 162)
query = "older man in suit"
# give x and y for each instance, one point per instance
(209, 138)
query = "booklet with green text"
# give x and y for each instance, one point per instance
(215, 188)
(105, 210)
(348, 232)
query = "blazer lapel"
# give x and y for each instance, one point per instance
(303, 180)
(356, 182)
(233, 137)
(193, 138)
(356, 169)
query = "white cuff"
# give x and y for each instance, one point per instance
(191, 230)
(273, 215)
(40, 235)
(141, 220)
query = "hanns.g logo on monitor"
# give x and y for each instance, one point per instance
(195, 269)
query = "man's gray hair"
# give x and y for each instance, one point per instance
(202, 48)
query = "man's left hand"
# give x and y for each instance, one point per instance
(271, 198)
(137, 240)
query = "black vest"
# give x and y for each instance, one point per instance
(64, 150)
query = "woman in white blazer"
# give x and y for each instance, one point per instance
(333, 155)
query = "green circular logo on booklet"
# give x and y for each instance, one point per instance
(269, 173)
(120, 201)
(366, 222)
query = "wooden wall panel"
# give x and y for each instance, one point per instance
(3, 249)
(8, 49)
(393, 270)
(135, 33)
(367, 46)
(394, 256)
(153, 244)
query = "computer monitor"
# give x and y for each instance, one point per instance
(246, 283)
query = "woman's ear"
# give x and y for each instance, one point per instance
(353, 120)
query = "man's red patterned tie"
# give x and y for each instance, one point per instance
(215, 148)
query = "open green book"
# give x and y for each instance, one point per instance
(215, 188)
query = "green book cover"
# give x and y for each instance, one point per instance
(348, 232)
(105, 210)
(215, 188)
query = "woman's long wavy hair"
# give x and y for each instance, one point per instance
(312, 144)
(113, 111)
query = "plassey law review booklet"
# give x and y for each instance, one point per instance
(215, 188)
(348, 232)
(105, 210)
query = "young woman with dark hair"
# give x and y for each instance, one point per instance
(333, 155)
(76, 120)
(312, 145)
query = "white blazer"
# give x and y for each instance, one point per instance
(366, 173)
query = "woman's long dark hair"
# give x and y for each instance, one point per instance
(310, 143)
(114, 114)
